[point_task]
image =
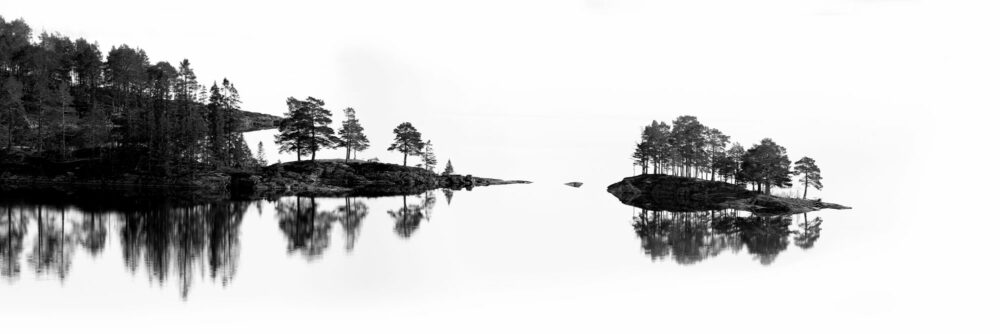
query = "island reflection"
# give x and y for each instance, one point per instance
(177, 242)
(691, 237)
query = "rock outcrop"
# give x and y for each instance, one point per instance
(682, 194)
(352, 177)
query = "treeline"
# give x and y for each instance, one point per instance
(63, 99)
(688, 148)
(306, 130)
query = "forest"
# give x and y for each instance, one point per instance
(690, 149)
(64, 100)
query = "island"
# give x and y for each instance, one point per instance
(687, 166)
(658, 192)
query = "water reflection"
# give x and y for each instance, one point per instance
(50, 254)
(306, 229)
(179, 242)
(352, 214)
(691, 237)
(408, 217)
(12, 234)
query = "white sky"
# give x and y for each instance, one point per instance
(545, 86)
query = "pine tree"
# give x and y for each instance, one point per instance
(407, 141)
(448, 169)
(261, 159)
(806, 167)
(352, 133)
(231, 125)
(766, 164)
(216, 119)
(306, 128)
(430, 160)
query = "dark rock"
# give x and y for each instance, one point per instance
(575, 184)
(682, 194)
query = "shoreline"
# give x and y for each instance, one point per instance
(683, 194)
(324, 178)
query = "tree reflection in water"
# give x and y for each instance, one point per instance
(690, 237)
(181, 241)
(808, 231)
(350, 215)
(306, 229)
(168, 241)
(50, 254)
(409, 216)
(13, 230)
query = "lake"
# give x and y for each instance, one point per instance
(503, 248)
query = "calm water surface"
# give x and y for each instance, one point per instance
(423, 259)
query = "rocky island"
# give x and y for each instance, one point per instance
(659, 192)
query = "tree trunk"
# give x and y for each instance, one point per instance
(348, 147)
(404, 165)
(806, 191)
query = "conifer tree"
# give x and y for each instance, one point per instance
(807, 169)
(448, 169)
(352, 133)
(261, 159)
(407, 141)
(306, 128)
(430, 160)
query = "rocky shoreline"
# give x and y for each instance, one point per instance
(305, 178)
(681, 194)
(352, 177)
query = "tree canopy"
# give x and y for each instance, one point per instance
(63, 99)
(306, 128)
(810, 175)
(407, 141)
(352, 133)
(688, 148)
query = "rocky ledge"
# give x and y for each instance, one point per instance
(682, 194)
(350, 177)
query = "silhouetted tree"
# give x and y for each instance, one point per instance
(261, 159)
(430, 160)
(807, 169)
(352, 133)
(448, 169)
(306, 128)
(766, 164)
(407, 141)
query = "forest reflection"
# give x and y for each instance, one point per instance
(308, 228)
(177, 242)
(181, 243)
(691, 237)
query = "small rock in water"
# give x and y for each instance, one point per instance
(575, 184)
